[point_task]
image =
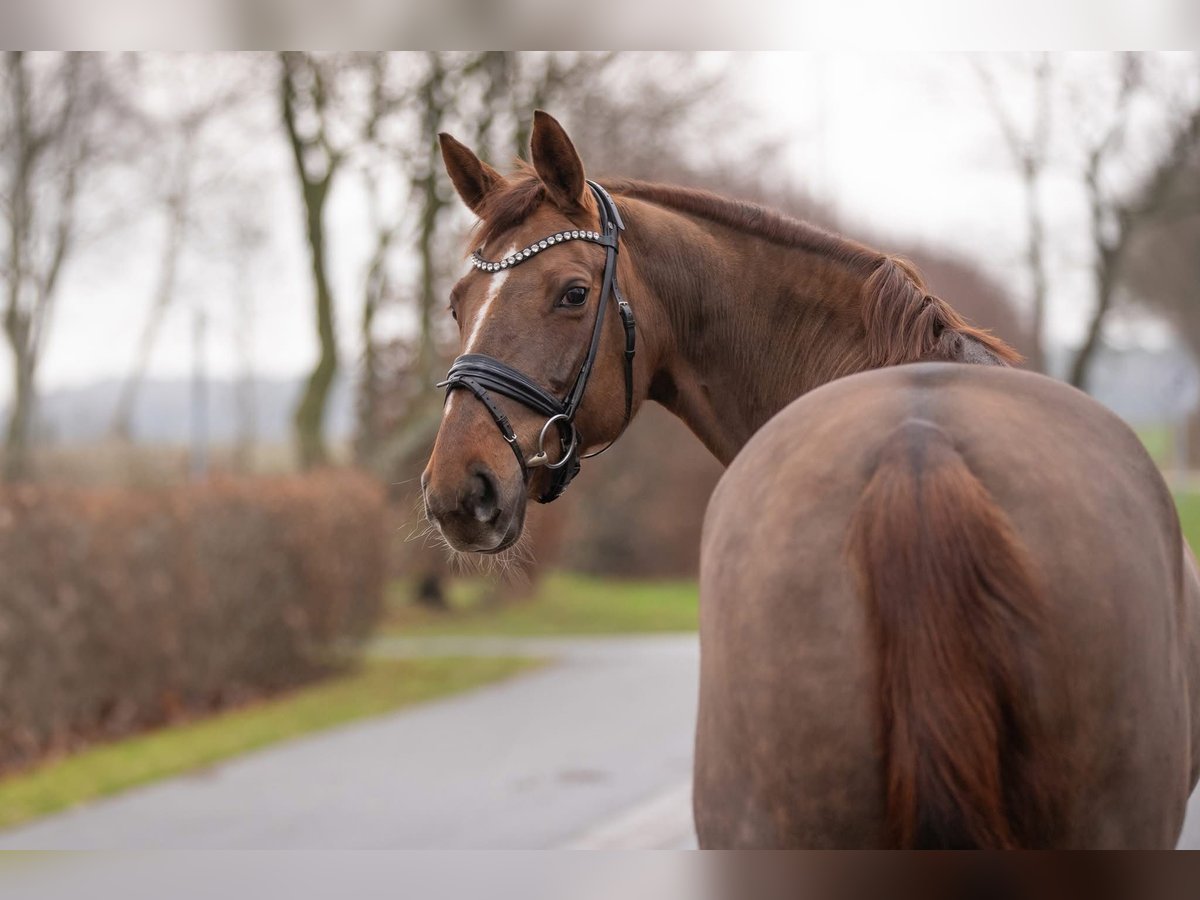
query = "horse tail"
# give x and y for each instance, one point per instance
(953, 597)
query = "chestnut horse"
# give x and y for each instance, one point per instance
(942, 605)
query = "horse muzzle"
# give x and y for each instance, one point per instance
(479, 514)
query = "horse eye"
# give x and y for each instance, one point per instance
(576, 296)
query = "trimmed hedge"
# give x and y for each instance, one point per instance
(120, 610)
(638, 509)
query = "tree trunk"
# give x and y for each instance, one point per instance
(1037, 271)
(35, 258)
(245, 399)
(1105, 287)
(432, 202)
(430, 592)
(310, 414)
(1108, 251)
(20, 416)
(369, 387)
(376, 292)
(309, 418)
(121, 426)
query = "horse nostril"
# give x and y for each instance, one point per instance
(482, 501)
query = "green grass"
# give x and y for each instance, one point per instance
(1188, 504)
(376, 687)
(579, 604)
(1159, 442)
(561, 604)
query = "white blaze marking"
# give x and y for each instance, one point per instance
(497, 282)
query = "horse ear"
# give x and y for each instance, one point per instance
(556, 161)
(473, 178)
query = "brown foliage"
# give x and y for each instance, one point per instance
(123, 609)
(638, 509)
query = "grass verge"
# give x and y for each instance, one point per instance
(566, 603)
(1188, 504)
(374, 688)
(1158, 441)
(561, 604)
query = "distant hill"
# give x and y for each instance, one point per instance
(162, 414)
(1142, 386)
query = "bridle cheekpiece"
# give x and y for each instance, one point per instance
(481, 374)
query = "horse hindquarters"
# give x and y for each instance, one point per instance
(1056, 627)
(1191, 644)
(953, 597)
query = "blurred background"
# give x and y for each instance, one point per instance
(224, 289)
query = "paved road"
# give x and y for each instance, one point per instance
(1190, 839)
(593, 752)
(544, 760)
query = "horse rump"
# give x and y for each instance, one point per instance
(956, 610)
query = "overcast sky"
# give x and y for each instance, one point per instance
(902, 145)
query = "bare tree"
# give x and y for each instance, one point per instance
(442, 83)
(181, 135)
(1029, 150)
(435, 99)
(1163, 273)
(1117, 217)
(377, 292)
(175, 207)
(306, 102)
(250, 238)
(1163, 269)
(48, 104)
(384, 166)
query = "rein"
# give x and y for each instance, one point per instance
(480, 373)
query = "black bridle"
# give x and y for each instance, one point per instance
(479, 373)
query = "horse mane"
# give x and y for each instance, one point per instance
(751, 218)
(905, 323)
(902, 321)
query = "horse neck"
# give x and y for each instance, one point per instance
(747, 324)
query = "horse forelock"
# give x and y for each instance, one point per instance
(509, 205)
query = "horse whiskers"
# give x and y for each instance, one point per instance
(515, 562)
(420, 526)
(512, 563)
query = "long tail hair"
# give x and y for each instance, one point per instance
(955, 605)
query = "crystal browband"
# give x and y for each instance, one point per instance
(487, 265)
